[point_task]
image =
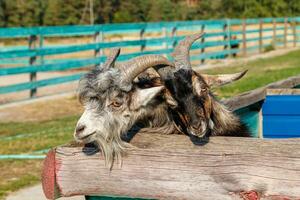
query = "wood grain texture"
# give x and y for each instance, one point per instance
(285, 91)
(172, 167)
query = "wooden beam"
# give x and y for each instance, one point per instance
(259, 94)
(172, 167)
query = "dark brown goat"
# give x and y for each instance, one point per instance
(196, 110)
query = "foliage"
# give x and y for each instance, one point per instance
(68, 12)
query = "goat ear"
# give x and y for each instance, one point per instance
(222, 79)
(170, 100)
(142, 97)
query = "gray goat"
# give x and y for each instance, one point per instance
(113, 103)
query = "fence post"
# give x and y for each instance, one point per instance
(260, 36)
(173, 34)
(285, 32)
(41, 46)
(244, 24)
(274, 32)
(227, 38)
(143, 46)
(295, 32)
(32, 42)
(202, 43)
(98, 37)
(165, 35)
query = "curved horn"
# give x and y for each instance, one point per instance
(222, 79)
(181, 52)
(133, 67)
(111, 58)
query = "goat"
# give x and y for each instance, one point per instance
(113, 103)
(196, 110)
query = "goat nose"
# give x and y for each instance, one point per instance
(79, 129)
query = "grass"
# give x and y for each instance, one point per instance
(15, 174)
(55, 130)
(261, 72)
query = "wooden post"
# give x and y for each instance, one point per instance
(260, 36)
(165, 35)
(32, 43)
(41, 39)
(226, 29)
(295, 32)
(173, 34)
(143, 46)
(98, 37)
(274, 32)
(244, 24)
(285, 31)
(173, 167)
(202, 43)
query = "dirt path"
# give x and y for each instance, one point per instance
(41, 109)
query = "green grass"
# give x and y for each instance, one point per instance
(15, 174)
(261, 72)
(37, 135)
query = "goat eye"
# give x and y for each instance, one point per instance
(203, 89)
(116, 104)
(94, 98)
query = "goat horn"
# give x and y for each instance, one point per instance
(222, 79)
(132, 68)
(181, 53)
(111, 58)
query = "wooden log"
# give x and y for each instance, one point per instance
(172, 167)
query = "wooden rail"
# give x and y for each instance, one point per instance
(174, 167)
(284, 32)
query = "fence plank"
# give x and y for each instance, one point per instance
(39, 83)
(168, 42)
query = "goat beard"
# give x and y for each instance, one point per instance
(113, 149)
(110, 143)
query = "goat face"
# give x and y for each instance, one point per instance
(191, 90)
(191, 93)
(113, 103)
(112, 112)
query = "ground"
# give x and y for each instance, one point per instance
(44, 124)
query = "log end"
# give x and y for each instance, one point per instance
(48, 176)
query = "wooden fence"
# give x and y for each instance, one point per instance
(224, 38)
